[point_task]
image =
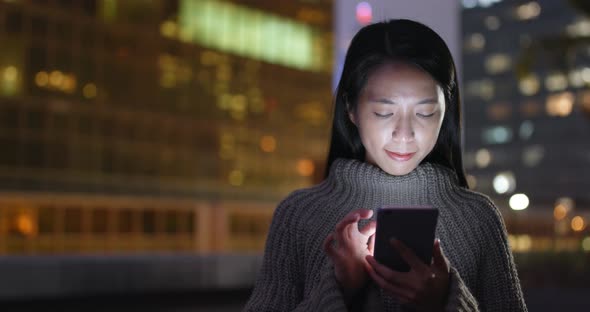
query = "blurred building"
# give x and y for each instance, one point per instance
(526, 69)
(150, 125)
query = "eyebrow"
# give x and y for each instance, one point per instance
(388, 101)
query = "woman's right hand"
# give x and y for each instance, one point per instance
(348, 248)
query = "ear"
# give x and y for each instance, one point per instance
(351, 114)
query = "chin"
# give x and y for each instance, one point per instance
(399, 170)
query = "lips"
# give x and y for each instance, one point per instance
(400, 156)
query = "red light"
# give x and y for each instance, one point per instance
(364, 13)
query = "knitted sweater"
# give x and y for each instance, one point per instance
(296, 274)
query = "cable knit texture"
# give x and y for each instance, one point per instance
(296, 274)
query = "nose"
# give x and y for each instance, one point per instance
(403, 130)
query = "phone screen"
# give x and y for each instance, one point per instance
(414, 226)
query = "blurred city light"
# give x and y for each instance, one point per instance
(578, 223)
(483, 157)
(364, 13)
(528, 11)
(504, 182)
(519, 202)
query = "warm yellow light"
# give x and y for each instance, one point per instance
(305, 167)
(524, 242)
(168, 29)
(24, 224)
(10, 74)
(528, 11)
(578, 224)
(42, 79)
(69, 83)
(559, 212)
(560, 104)
(236, 178)
(89, 91)
(268, 143)
(55, 78)
(529, 85)
(483, 157)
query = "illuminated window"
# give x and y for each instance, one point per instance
(475, 42)
(556, 82)
(580, 28)
(529, 85)
(528, 11)
(248, 32)
(498, 63)
(560, 105)
(497, 135)
(499, 111)
(483, 89)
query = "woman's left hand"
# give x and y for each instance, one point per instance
(425, 287)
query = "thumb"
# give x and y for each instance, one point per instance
(438, 258)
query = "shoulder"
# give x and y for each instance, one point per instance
(486, 211)
(301, 201)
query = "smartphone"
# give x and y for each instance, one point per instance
(414, 226)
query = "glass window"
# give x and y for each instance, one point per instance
(14, 21)
(47, 219)
(9, 118)
(34, 154)
(125, 221)
(35, 120)
(149, 221)
(73, 220)
(39, 26)
(9, 154)
(100, 220)
(171, 222)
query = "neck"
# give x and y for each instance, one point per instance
(419, 187)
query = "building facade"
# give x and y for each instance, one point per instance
(526, 69)
(104, 102)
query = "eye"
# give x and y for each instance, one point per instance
(383, 115)
(425, 115)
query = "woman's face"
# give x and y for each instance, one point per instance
(399, 115)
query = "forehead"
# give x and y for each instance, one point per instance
(394, 79)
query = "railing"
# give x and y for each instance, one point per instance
(48, 223)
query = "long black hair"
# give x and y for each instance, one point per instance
(397, 40)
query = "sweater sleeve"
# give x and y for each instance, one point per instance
(279, 284)
(498, 282)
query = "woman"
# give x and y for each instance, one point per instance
(396, 140)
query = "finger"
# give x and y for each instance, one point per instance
(349, 218)
(438, 257)
(393, 277)
(409, 256)
(365, 213)
(328, 247)
(400, 292)
(371, 244)
(369, 229)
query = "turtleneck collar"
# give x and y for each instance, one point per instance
(418, 187)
